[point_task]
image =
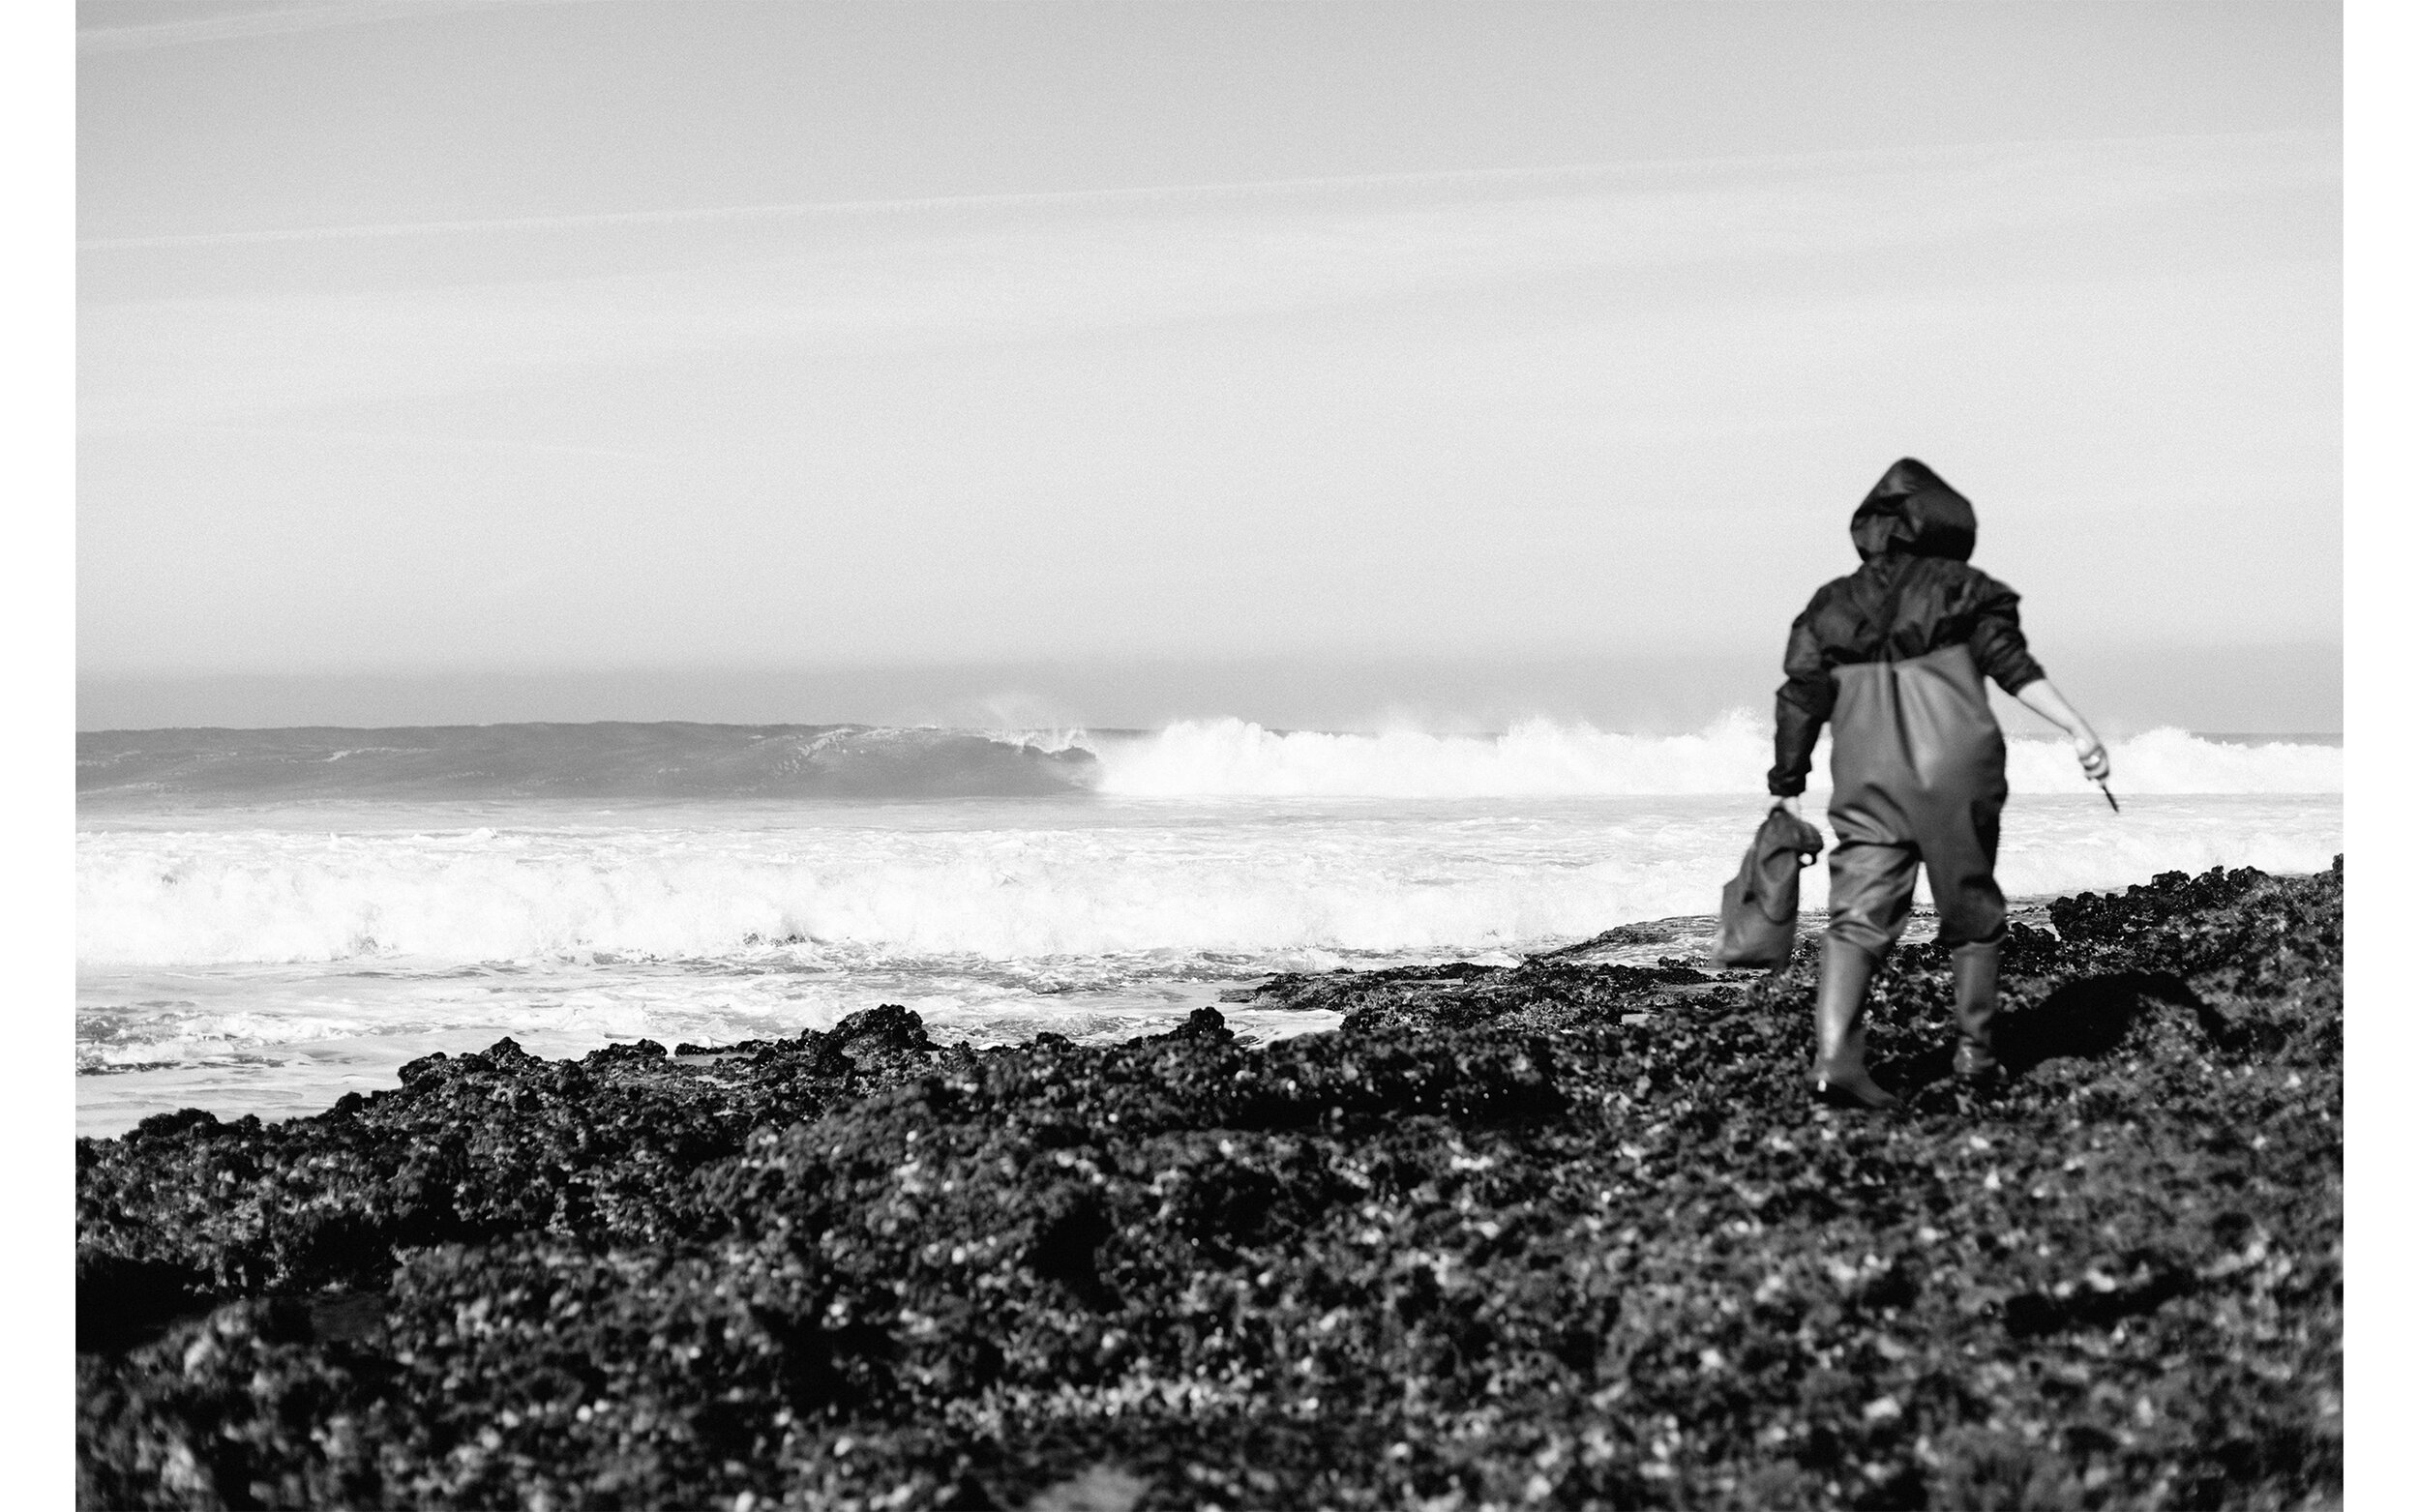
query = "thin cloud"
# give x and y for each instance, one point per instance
(1122, 266)
(383, 438)
(263, 23)
(1572, 175)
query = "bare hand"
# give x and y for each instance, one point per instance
(1790, 804)
(2093, 755)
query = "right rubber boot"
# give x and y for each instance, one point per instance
(1974, 970)
(1839, 1077)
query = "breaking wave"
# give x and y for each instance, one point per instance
(1160, 887)
(604, 763)
(1213, 759)
(1541, 758)
(1199, 840)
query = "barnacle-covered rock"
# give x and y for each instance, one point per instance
(1556, 1234)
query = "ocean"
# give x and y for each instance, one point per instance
(268, 919)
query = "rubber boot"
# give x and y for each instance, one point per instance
(1839, 1077)
(1975, 970)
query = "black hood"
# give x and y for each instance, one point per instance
(1912, 511)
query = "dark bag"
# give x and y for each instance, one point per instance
(1760, 905)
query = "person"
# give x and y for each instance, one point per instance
(1893, 655)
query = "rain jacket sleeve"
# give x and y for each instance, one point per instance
(1997, 639)
(1803, 705)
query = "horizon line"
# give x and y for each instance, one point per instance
(1313, 656)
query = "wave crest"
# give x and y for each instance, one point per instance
(1192, 758)
(1237, 882)
(1542, 758)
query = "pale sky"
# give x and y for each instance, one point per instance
(476, 338)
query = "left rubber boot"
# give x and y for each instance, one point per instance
(1840, 1076)
(1973, 972)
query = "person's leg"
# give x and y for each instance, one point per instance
(1973, 922)
(1974, 972)
(1872, 885)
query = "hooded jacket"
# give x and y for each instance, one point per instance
(1914, 594)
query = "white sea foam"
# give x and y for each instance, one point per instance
(132, 772)
(999, 883)
(1540, 759)
(269, 967)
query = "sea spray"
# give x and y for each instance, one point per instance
(1003, 881)
(1541, 758)
(144, 771)
(269, 924)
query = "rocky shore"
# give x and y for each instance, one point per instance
(1564, 1233)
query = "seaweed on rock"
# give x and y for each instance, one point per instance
(1555, 1234)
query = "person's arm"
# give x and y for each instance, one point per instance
(2045, 700)
(1800, 706)
(1999, 648)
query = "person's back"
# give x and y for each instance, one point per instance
(1893, 655)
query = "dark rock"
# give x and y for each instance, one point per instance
(1554, 1234)
(1202, 1023)
(162, 1126)
(642, 1050)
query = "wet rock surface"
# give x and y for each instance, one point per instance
(1557, 1234)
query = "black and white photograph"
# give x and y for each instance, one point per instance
(1086, 755)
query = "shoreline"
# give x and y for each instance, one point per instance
(1689, 936)
(1562, 1233)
